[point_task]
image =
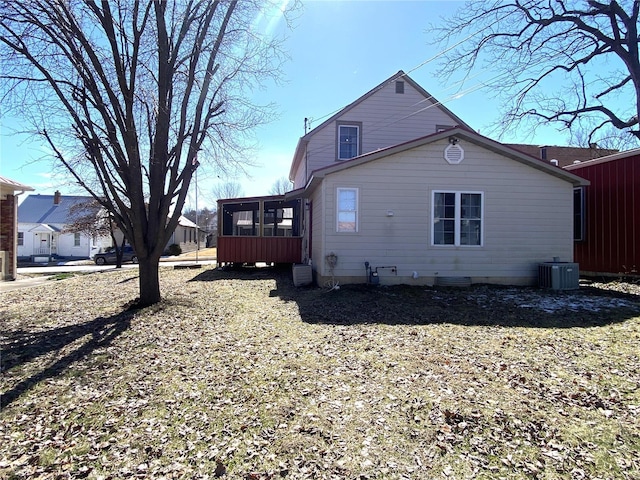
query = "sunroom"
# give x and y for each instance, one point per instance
(259, 229)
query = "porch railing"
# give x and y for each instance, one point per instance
(45, 251)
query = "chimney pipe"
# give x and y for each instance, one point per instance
(56, 198)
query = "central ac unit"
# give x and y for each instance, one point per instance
(559, 275)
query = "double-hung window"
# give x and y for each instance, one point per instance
(20, 239)
(348, 141)
(76, 239)
(457, 218)
(347, 210)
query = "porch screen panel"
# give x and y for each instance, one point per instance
(281, 219)
(241, 219)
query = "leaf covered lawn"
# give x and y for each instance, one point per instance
(240, 375)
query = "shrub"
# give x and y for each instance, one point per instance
(174, 249)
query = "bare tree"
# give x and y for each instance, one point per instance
(127, 93)
(206, 218)
(575, 63)
(608, 139)
(280, 186)
(93, 220)
(227, 190)
(89, 218)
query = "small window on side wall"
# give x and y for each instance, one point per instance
(347, 210)
(20, 239)
(76, 239)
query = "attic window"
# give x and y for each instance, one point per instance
(348, 141)
(399, 86)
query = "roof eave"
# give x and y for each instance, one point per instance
(297, 157)
(461, 132)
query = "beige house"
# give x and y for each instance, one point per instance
(396, 111)
(395, 188)
(448, 208)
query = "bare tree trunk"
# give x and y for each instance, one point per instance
(149, 281)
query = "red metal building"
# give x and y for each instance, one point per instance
(608, 215)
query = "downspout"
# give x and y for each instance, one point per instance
(323, 206)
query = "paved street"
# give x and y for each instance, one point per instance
(32, 276)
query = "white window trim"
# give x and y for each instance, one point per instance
(358, 146)
(357, 209)
(457, 219)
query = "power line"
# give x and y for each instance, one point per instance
(426, 62)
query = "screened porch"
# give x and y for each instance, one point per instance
(261, 229)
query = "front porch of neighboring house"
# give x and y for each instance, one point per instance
(45, 242)
(260, 229)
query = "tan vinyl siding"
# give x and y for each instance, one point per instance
(527, 217)
(299, 179)
(387, 118)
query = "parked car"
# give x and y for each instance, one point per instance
(109, 255)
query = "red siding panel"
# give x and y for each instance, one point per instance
(259, 249)
(612, 243)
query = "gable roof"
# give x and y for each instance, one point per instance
(42, 209)
(297, 156)
(185, 222)
(458, 132)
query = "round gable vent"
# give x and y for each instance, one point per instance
(454, 154)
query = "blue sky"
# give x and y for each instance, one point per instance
(338, 51)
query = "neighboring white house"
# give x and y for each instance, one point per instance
(41, 223)
(186, 235)
(394, 188)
